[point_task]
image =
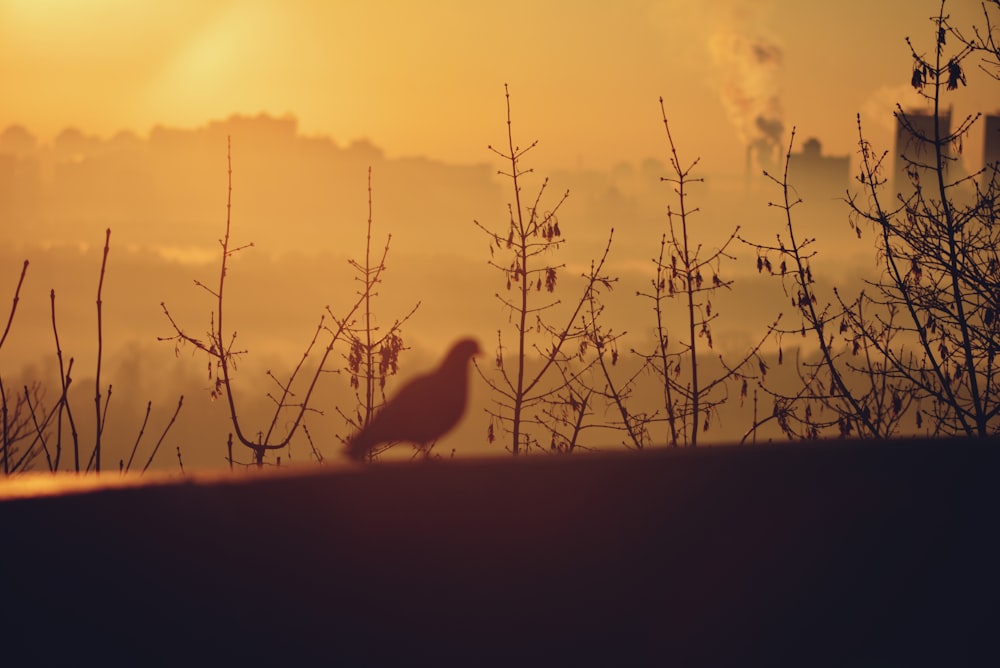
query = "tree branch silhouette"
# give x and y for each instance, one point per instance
(219, 346)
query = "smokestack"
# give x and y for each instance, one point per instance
(748, 62)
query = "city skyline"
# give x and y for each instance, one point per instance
(585, 83)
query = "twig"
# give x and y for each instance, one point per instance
(180, 402)
(39, 431)
(142, 429)
(100, 351)
(3, 411)
(65, 379)
(13, 307)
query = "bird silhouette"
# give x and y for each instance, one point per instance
(424, 409)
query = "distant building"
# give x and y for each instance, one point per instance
(17, 141)
(991, 142)
(818, 178)
(915, 144)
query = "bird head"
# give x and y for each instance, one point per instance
(460, 353)
(464, 350)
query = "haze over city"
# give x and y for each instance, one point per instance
(118, 114)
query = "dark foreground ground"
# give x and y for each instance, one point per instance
(833, 554)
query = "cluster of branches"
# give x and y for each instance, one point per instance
(684, 272)
(290, 406)
(938, 242)
(920, 341)
(519, 251)
(839, 387)
(568, 384)
(31, 430)
(374, 352)
(671, 369)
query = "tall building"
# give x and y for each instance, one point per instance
(915, 144)
(991, 142)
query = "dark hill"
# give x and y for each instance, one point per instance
(820, 554)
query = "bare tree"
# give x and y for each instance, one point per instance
(528, 373)
(374, 351)
(921, 339)
(598, 398)
(842, 387)
(938, 241)
(219, 345)
(685, 272)
(8, 426)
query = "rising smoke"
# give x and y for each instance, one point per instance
(748, 60)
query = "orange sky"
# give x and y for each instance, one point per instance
(427, 78)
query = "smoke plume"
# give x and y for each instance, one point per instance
(748, 62)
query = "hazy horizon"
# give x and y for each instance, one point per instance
(427, 80)
(125, 124)
(303, 202)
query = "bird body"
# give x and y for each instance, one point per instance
(424, 409)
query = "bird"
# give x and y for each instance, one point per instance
(424, 409)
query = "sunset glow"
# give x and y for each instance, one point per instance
(128, 115)
(382, 332)
(423, 79)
